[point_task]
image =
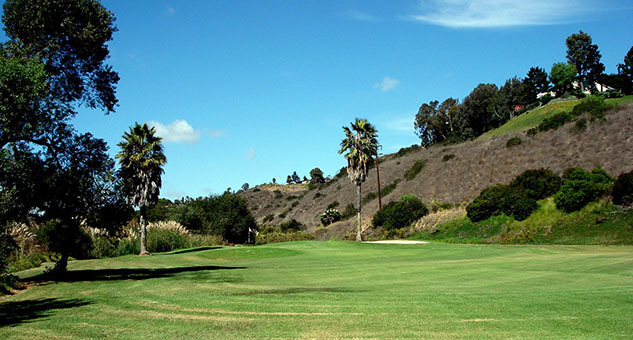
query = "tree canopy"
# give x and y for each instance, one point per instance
(584, 55)
(562, 75)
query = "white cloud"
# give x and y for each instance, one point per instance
(387, 84)
(361, 16)
(177, 131)
(500, 13)
(251, 153)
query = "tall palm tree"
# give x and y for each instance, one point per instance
(361, 144)
(141, 159)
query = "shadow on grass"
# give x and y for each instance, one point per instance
(15, 312)
(122, 274)
(184, 251)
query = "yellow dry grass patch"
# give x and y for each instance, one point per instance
(231, 312)
(429, 221)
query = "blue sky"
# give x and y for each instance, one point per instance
(244, 91)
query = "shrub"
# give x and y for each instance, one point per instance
(623, 189)
(498, 199)
(268, 218)
(332, 205)
(292, 197)
(400, 214)
(555, 121)
(128, 246)
(389, 188)
(272, 237)
(7, 246)
(257, 190)
(594, 105)
(513, 142)
(317, 195)
(414, 170)
(612, 94)
(330, 216)
(546, 99)
(532, 132)
(581, 125)
(350, 210)
(164, 239)
(404, 151)
(448, 157)
(437, 205)
(581, 187)
(294, 204)
(104, 246)
(537, 184)
(291, 226)
(370, 196)
(278, 194)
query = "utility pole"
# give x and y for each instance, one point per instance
(378, 179)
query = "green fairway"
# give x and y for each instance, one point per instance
(335, 290)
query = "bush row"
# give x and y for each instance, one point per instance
(575, 190)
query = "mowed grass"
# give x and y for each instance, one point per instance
(336, 290)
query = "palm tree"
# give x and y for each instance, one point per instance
(141, 159)
(361, 144)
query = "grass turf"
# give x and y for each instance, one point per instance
(534, 117)
(333, 290)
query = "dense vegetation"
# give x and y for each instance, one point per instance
(489, 106)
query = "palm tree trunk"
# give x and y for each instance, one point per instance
(358, 237)
(142, 225)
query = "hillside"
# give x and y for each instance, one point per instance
(457, 173)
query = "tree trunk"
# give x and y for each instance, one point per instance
(358, 237)
(142, 225)
(62, 265)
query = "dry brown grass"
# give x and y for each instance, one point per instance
(476, 166)
(429, 221)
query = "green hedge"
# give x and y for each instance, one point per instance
(400, 214)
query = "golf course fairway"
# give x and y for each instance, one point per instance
(334, 290)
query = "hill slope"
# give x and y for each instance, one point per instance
(459, 172)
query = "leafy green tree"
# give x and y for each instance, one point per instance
(360, 145)
(434, 122)
(478, 111)
(424, 122)
(70, 38)
(316, 176)
(626, 71)
(536, 82)
(583, 54)
(511, 95)
(141, 159)
(562, 75)
(295, 177)
(52, 63)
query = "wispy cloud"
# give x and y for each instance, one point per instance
(387, 84)
(362, 16)
(500, 13)
(176, 132)
(169, 12)
(215, 133)
(402, 124)
(251, 153)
